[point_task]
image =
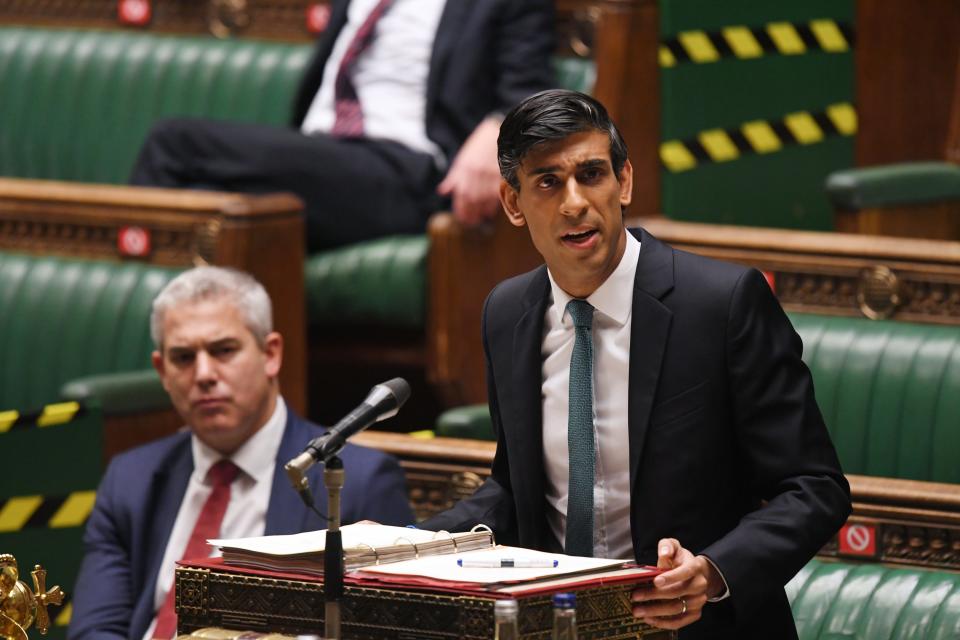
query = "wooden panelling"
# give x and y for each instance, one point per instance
(907, 61)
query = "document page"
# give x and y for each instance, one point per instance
(497, 565)
(353, 535)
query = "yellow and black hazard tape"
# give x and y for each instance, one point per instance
(62, 616)
(47, 512)
(52, 414)
(744, 43)
(759, 137)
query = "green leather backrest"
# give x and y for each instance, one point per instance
(61, 319)
(379, 282)
(77, 104)
(845, 601)
(889, 392)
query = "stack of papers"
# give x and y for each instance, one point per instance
(363, 545)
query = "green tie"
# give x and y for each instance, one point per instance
(580, 441)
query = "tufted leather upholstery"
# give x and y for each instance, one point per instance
(78, 104)
(379, 282)
(62, 319)
(889, 392)
(845, 601)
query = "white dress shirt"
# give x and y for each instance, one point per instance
(612, 320)
(613, 304)
(390, 76)
(246, 514)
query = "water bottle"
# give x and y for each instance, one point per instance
(505, 622)
(564, 616)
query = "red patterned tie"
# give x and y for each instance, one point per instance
(221, 476)
(348, 121)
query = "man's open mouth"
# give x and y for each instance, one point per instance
(580, 236)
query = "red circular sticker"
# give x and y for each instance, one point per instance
(134, 12)
(133, 241)
(318, 15)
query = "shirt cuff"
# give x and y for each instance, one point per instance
(726, 589)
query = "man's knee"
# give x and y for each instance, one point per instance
(174, 133)
(167, 152)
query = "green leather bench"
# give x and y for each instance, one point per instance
(77, 105)
(62, 320)
(889, 393)
(846, 601)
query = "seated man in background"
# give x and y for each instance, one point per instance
(398, 110)
(649, 404)
(219, 360)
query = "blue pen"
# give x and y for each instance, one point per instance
(504, 563)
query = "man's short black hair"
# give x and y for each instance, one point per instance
(552, 115)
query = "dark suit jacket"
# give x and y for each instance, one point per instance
(138, 501)
(728, 450)
(487, 56)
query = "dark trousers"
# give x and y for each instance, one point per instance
(354, 189)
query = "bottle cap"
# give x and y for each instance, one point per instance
(565, 600)
(505, 607)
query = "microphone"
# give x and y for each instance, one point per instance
(383, 402)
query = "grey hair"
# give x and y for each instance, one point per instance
(215, 283)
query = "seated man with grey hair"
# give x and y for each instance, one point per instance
(222, 477)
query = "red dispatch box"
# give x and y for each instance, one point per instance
(211, 594)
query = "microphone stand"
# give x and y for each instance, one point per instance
(333, 553)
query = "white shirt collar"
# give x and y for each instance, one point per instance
(609, 298)
(256, 457)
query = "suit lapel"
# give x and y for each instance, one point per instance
(528, 418)
(649, 331)
(285, 512)
(169, 486)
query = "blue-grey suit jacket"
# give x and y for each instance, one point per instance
(138, 501)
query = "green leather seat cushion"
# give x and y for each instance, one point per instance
(846, 601)
(62, 319)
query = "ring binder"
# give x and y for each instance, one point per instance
(363, 545)
(456, 549)
(416, 550)
(376, 555)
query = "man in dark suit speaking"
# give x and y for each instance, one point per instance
(219, 359)
(398, 110)
(649, 404)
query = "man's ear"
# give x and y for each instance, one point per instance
(156, 358)
(273, 348)
(509, 198)
(626, 184)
